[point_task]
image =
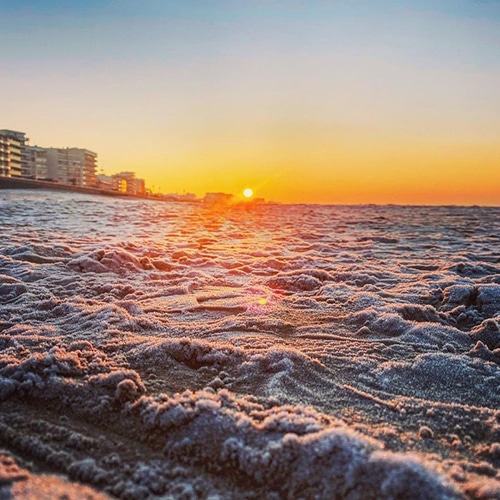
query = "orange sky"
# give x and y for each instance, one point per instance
(324, 102)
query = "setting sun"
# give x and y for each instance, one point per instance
(248, 193)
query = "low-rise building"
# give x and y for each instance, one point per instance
(189, 197)
(104, 182)
(217, 198)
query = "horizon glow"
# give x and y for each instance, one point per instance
(338, 102)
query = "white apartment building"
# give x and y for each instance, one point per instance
(72, 166)
(36, 163)
(12, 153)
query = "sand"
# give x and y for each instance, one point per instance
(169, 350)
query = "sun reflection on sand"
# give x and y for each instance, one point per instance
(226, 334)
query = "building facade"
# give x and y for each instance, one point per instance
(140, 187)
(126, 182)
(105, 182)
(72, 166)
(13, 159)
(36, 164)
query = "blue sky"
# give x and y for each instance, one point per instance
(213, 84)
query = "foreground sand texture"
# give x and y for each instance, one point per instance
(155, 350)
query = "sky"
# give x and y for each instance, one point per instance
(325, 101)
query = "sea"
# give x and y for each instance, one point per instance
(170, 350)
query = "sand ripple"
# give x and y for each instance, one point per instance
(172, 350)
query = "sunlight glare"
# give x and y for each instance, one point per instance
(247, 193)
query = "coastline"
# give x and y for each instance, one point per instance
(20, 183)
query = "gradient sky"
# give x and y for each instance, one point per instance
(339, 101)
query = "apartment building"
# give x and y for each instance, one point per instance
(72, 166)
(126, 182)
(36, 163)
(12, 153)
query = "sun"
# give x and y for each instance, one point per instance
(247, 193)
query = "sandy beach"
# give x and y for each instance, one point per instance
(162, 350)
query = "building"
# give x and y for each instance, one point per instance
(105, 182)
(72, 166)
(217, 198)
(36, 163)
(12, 153)
(140, 187)
(126, 182)
(119, 184)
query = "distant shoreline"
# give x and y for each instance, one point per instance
(20, 183)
